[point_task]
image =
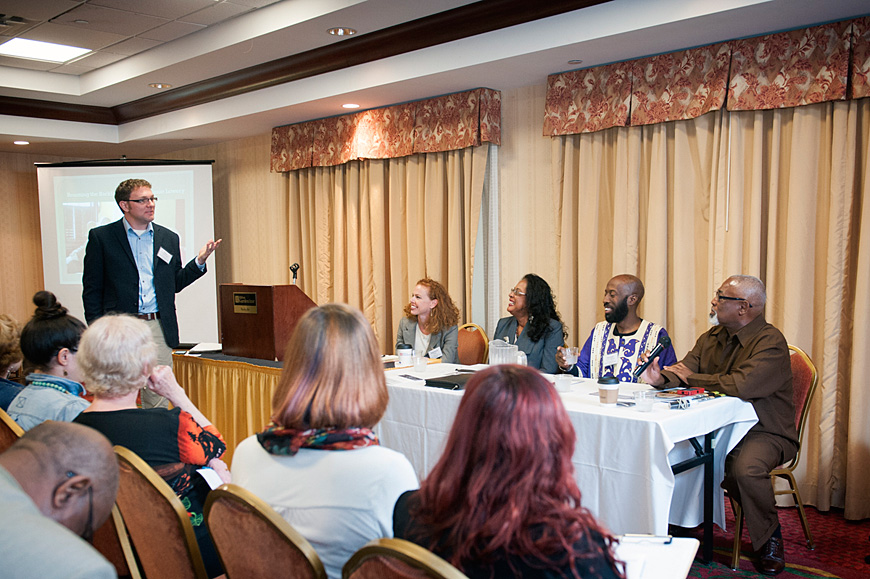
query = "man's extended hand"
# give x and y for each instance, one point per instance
(680, 370)
(207, 250)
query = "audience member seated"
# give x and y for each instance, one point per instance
(534, 325)
(10, 359)
(502, 500)
(117, 356)
(57, 484)
(49, 342)
(430, 323)
(318, 463)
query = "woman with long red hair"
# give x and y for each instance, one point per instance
(502, 500)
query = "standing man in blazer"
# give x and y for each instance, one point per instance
(133, 266)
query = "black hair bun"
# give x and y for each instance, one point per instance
(47, 306)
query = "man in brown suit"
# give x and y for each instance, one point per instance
(744, 356)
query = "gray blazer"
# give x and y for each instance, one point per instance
(540, 354)
(447, 339)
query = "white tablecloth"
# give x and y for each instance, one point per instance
(622, 459)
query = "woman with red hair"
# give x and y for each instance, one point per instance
(502, 500)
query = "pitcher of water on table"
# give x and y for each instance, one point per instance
(500, 352)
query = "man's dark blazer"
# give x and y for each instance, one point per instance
(110, 280)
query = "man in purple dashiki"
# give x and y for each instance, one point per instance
(614, 345)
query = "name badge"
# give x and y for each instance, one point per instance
(435, 353)
(611, 359)
(164, 255)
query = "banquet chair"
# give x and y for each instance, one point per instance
(253, 541)
(113, 543)
(805, 380)
(397, 559)
(473, 344)
(9, 431)
(158, 524)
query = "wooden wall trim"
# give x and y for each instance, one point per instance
(34, 108)
(463, 22)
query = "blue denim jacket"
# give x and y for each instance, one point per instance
(36, 404)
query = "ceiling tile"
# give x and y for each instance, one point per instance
(36, 10)
(26, 63)
(100, 58)
(216, 13)
(73, 69)
(253, 3)
(132, 46)
(109, 20)
(169, 9)
(72, 36)
(171, 31)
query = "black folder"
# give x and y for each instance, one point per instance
(452, 382)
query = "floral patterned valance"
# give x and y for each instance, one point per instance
(787, 69)
(444, 123)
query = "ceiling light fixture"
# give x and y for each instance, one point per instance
(38, 50)
(80, 21)
(350, 106)
(20, 142)
(575, 61)
(341, 31)
(159, 85)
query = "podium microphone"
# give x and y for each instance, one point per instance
(664, 342)
(295, 270)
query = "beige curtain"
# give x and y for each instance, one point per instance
(778, 194)
(366, 231)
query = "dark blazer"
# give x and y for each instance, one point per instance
(540, 354)
(447, 339)
(110, 280)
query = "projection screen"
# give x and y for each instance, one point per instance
(75, 197)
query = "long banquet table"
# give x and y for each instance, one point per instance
(622, 459)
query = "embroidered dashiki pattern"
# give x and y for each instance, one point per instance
(288, 441)
(628, 348)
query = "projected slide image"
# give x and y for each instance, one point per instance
(85, 203)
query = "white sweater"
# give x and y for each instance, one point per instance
(337, 499)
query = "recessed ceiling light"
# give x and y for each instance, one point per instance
(350, 106)
(37, 50)
(341, 31)
(575, 61)
(80, 21)
(20, 142)
(159, 85)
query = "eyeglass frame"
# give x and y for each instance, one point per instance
(717, 295)
(517, 292)
(142, 200)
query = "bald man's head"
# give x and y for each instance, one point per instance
(69, 471)
(622, 295)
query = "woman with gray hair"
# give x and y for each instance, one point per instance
(118, 357)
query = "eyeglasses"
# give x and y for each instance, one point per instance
(717, 295)
(143, 200)
(88, 534)
(517, 292)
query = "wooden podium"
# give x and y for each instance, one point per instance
(257, 320)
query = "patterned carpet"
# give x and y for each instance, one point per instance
(841, 546)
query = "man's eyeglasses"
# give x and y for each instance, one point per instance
(517, 292)
(143, 200)
(717, 295)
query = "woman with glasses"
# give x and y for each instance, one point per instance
(49, 342)
(318, 463)
(534, 325)
(502, 500)
(118, 357)
(430, 323)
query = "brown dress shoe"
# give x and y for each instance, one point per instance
(771, 560)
